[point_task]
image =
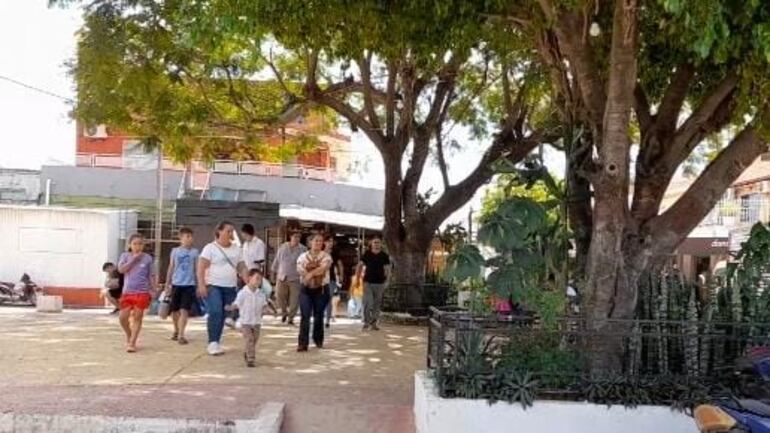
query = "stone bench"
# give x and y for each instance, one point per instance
(49, 304)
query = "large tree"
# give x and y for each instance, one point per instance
(403, 73)
(410, 71)
(676, 71)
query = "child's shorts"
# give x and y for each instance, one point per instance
(140, 301)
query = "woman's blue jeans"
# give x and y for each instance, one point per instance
(216, 300)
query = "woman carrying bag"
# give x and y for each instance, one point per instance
(313, 267)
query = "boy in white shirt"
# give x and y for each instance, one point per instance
(250, 302)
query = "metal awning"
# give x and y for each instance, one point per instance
(350, 219)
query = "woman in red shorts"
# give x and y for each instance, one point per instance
(138, 283)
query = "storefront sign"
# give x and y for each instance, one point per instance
(704, 246)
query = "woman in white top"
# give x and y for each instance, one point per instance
(218, 267)
(313, 267)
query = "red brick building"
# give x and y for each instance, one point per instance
(112, 145)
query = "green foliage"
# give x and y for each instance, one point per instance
(165, 71)
(530, 242)
(521, 366)
(465, 263)
(716, 36)
(745, 293)
(453, 236)
(540, 353)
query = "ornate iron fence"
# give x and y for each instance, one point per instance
(415, 299)
(678, 363)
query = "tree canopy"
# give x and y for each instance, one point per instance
(135, 73)
(403, 73)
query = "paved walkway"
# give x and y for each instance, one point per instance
(74, 363)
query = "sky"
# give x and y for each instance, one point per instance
(35, 127)
(35, 41)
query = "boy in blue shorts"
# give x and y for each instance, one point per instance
(181, 282)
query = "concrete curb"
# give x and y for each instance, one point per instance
(268, 420)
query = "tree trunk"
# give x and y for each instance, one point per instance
(579, 210)
(409, 265)
(612, 288)
(409, 260)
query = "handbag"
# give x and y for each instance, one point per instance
(164, 306)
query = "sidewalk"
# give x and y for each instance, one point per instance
(74, 363)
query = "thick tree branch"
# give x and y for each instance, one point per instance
(326, 97)
(642, 109)
(278, 76)
(420, 152)
(446, 84)
(615, 145)
(393, 228)
(567, 25)
(442, 165)
(355, 118)
(234, 97)
(507, 144)
(349, 86)
(657, 130)
(655, 170)
(422, 134)
(549, 51)
(720, 97)
(312, 66)
(671, 227)
(411, 88)
(673, 99)
(390, 100)
(364, 65)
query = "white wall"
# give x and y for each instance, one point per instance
(58, 247)
(433, 414)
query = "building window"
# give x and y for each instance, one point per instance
(750, 207)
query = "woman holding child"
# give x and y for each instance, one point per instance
(313, 267)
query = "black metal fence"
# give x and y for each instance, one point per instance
(415, 299)
(519, 359)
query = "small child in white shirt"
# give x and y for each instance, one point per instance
(250, 302)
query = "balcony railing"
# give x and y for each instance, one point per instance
(254, 168)
(737, 212)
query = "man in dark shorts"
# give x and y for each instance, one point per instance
(113, 285)
(181, 282)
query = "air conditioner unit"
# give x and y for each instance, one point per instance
(95, 131)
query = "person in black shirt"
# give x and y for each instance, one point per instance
(374, 268)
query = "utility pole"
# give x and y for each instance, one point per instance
(159, 209)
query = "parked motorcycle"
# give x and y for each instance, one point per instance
(25, 291)
(741, 415)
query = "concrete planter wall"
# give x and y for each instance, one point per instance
(433, 414)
